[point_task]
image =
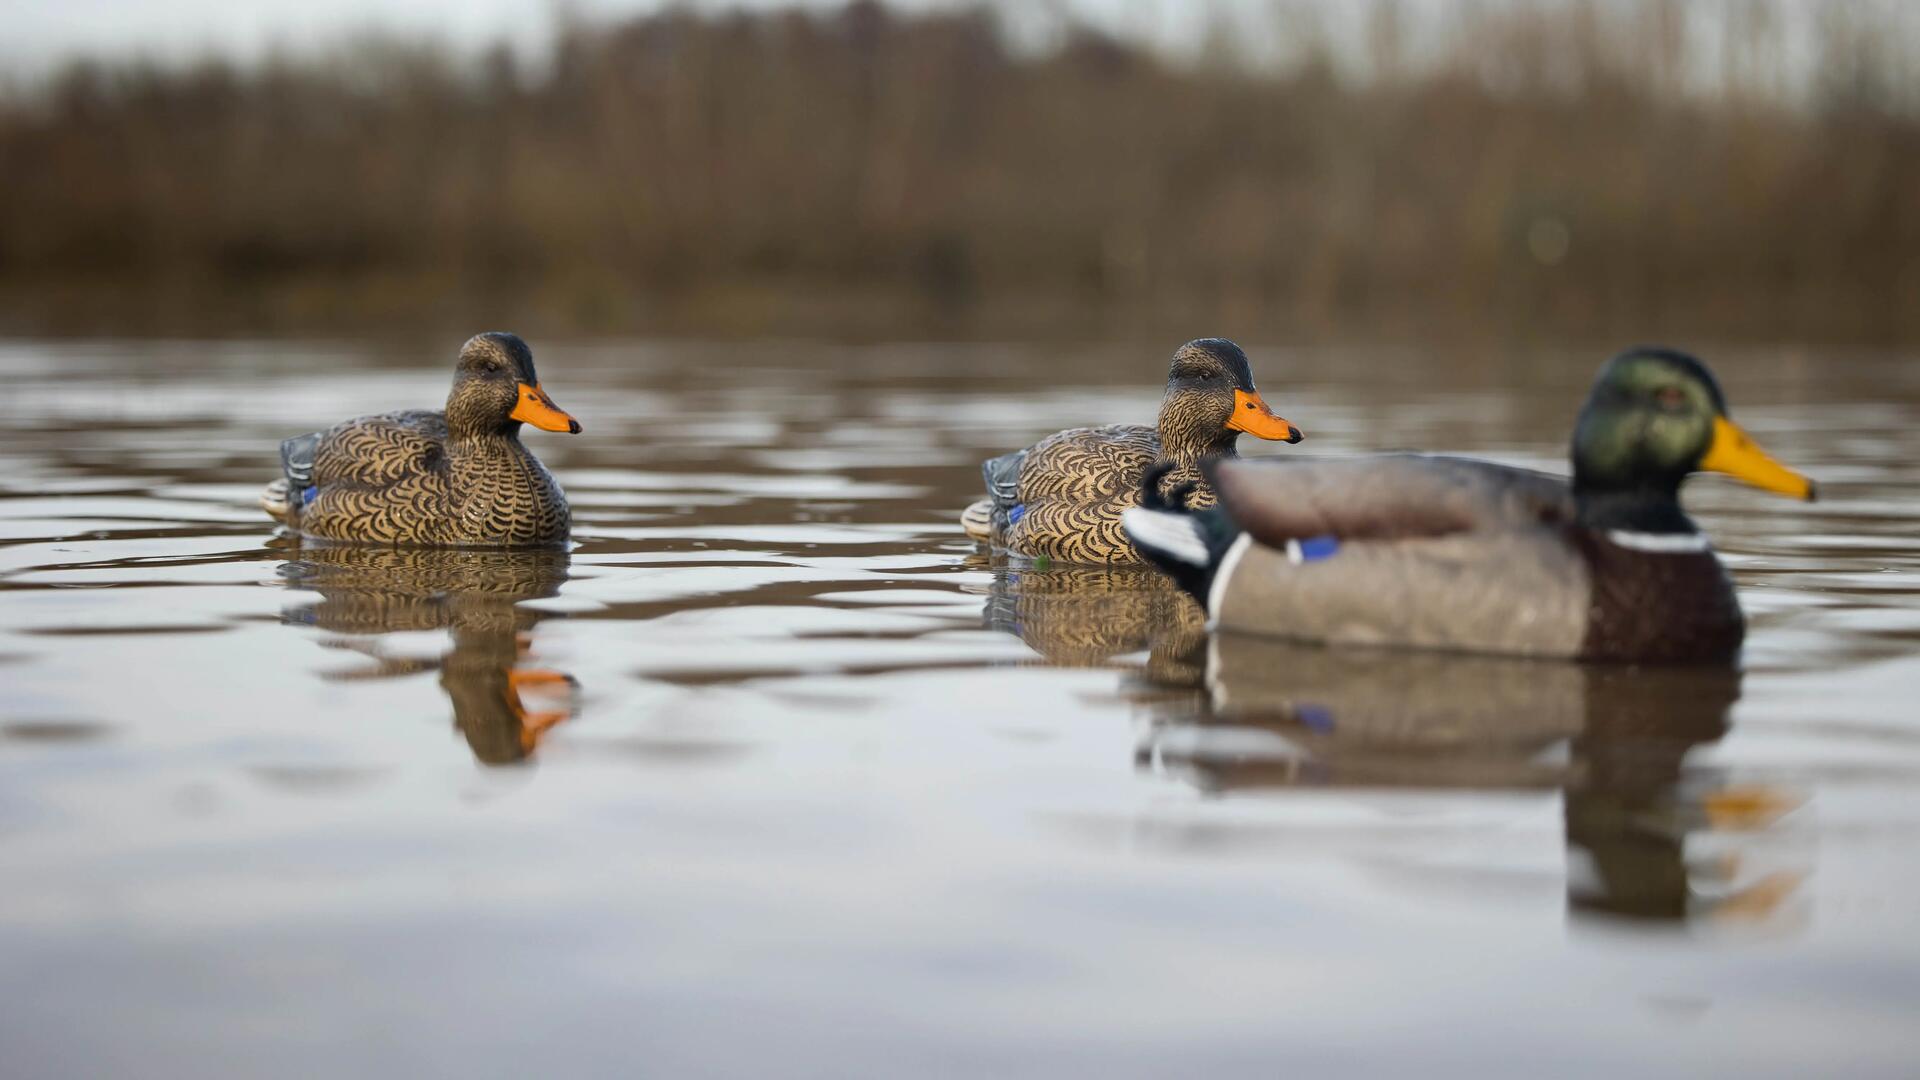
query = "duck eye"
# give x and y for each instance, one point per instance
(1670, 397)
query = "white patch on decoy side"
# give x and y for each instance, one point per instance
(1221, 574)
(1174, 535)
(1660, 543)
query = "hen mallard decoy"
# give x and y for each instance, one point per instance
(441, 479)
(1063, 496)
(1452, 553)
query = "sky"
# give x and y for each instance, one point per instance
(40, 34)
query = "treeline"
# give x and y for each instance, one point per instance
(1551, 168)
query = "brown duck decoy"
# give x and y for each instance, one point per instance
(1449, 553)
(456, 478)
(1062, 497)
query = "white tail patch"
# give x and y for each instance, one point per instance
(1177, 536)
(274, 500)
(978, 520)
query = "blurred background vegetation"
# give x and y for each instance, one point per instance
(1572, 169)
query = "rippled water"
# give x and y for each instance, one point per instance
(772, 774)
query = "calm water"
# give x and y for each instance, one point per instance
(822, 792)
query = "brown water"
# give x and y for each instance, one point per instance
(829, 794)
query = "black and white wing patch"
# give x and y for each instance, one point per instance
(296, 461)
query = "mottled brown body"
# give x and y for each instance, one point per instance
(1076, 484)
(1063, 497)
(458, 478)
(400, 479)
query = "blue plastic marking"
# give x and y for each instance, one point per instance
(1315, 548)
(1019, 511)
(307, 495)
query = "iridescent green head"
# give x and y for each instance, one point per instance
(1655, 415)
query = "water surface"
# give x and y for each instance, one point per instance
(772, 773)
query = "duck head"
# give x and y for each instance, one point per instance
(1655, 416)
(1211, 400)
(495, 390)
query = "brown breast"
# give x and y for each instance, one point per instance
(1673, 607)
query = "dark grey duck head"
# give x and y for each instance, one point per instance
(1654, 417)
(1211, 400)
(495, 390)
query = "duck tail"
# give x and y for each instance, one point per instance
(1185, 544)
(978, 521)
(284, 497)
(275, 502)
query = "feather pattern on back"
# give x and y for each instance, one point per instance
(434, 478)
(1074, 487)
(1063, 497)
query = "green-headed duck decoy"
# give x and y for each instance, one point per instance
(1452, 553)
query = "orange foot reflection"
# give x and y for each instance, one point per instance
(1746, 808)
(535, 724)
(1758, 902)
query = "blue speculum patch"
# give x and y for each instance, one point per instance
(1019, 511)
(1317, 718)
(1313, 548)
(307, 495)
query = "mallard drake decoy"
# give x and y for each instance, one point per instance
(1451, 553)
(437, 479)
(1063, 496)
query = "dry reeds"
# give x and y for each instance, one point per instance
(1564, 168)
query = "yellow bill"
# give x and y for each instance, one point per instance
(1735, 453)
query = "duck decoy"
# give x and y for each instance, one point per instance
(455, 478)
(1453, 553)
(1062, 497)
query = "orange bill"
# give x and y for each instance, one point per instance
(1735, 453)
(1251, 415)
(538, 409)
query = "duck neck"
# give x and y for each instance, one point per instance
(1185, 441)
(1651, 509)
(487, 444)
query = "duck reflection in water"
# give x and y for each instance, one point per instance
(475, 595)
(1281, 715)
(1085, 616)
